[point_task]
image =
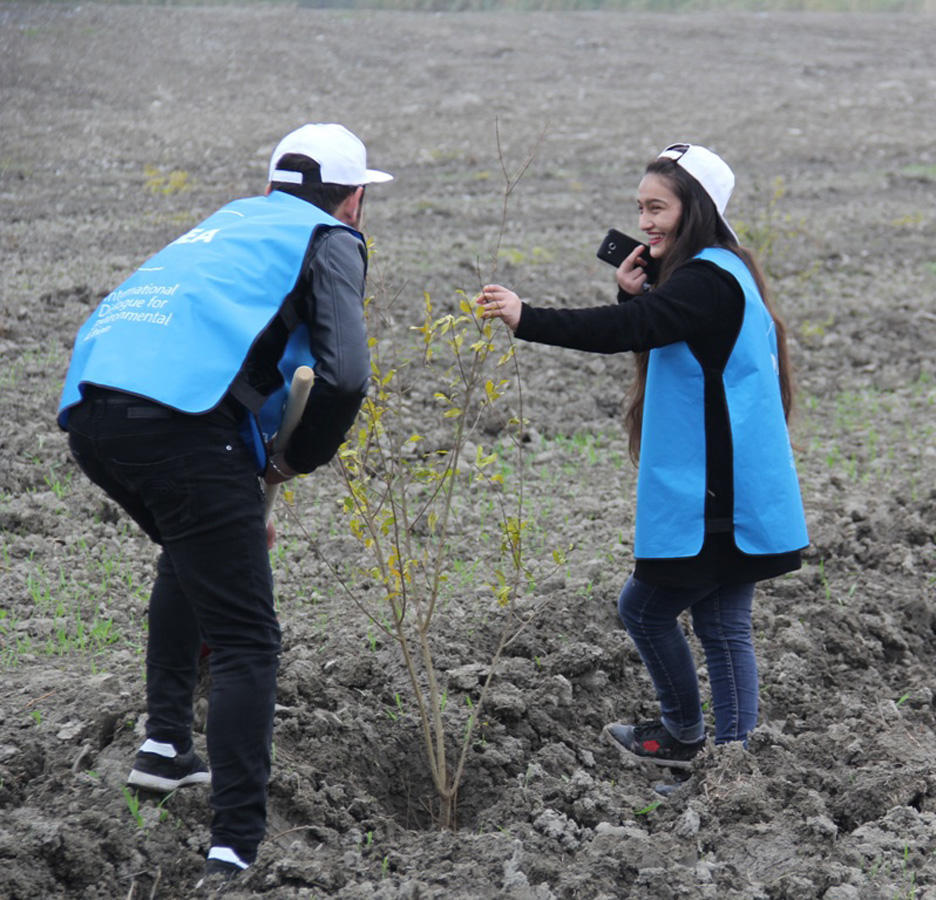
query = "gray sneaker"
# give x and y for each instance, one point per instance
(652, 742)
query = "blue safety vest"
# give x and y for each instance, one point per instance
(671, 483)
(178, 330)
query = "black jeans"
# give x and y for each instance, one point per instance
(190, 483)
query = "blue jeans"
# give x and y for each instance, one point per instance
(190, 483)
(721, 618)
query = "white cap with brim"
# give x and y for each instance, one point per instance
(709, 169)
(341, 156)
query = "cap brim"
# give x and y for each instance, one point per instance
(375, 176)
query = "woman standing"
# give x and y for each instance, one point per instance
(718, 502)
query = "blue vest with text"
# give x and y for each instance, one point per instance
(671, 482)
(179, 329)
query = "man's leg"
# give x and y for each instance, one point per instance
(106, 443)
(219, 559)
(171, 659)
(190, 482)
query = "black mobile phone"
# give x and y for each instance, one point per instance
(616, 247)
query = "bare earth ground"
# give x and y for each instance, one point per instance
(830, 123)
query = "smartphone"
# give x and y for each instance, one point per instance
(617, 246)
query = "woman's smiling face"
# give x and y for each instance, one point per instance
(660, 213)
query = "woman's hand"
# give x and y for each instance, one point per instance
(498, 302)
(630, 273)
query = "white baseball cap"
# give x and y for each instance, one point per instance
(709, 169)
(340, 154)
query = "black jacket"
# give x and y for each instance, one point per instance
(702, 305)
(331, 305)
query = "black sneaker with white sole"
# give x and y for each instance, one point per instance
(652, 742)
(155, 772)
(222, 865)
(217, 874)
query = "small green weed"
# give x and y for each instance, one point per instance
(518, 257)
(763, 233)
(71, 604)
(647, 809)
(133, 804)
(399, 712)
(175, 182)
(923, 171)
(58, 486)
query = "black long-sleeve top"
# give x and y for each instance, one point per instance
(703, 305)
(330, 294)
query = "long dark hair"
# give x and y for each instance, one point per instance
(700, 226)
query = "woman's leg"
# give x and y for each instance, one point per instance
(651, 616)
(722, 621)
